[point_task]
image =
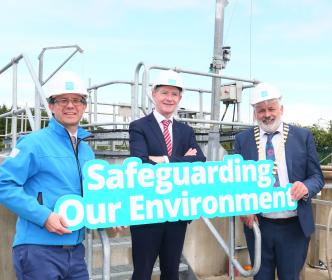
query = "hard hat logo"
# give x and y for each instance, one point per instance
(172, 82)
(69, 86)
(263, 92)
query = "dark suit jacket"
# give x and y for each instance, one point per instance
(302, 165)
(146, 139)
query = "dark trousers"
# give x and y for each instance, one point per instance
(42, 262)
(152, 240)
(284, 248)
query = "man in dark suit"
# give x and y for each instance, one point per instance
(158, 138)
(286, 234)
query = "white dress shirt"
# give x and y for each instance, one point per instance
(282, 170)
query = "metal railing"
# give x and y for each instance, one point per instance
(327, 157)
(137, 107)
(15, 111)
(145, 97)
(327, 227)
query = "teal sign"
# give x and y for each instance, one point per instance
(135, 193)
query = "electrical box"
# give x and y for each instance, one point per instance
(231, 93)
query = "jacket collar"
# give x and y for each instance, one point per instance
(62, 131)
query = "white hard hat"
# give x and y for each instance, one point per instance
(263, 92)
(169, 78)
(65, 82)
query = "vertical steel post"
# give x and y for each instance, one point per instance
(37, 97)
(14, 117)
(90, 103)
(95, 107)
(231, 245)
(216, 66)
(201, 114)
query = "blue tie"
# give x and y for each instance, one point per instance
(269, 152)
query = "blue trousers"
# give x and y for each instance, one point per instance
(163, 239)
(284, 248)
(43, 262)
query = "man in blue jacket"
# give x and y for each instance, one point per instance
(158, 138)
(286, 234)
(44, 166)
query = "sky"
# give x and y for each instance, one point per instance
(286, 43)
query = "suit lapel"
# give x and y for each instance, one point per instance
(254, 151)
(176, 131)
(288, 152)
(155, 129)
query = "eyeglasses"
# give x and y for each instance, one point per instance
(74, 101)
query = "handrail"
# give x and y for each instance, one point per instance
(38, 87)
(25, 110)
(106, 253)
(327, 239)
(329, 155)
(206, 74)
(89, 249)
(134, 97)
(145, 83)
(221, 242)
(41, 58)
(94, 89)
(14, 60)
(327, 228)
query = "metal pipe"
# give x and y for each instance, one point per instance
(89, 104)
(14, 97)
(221, 242)
(134, 96)
(216, 66)
(37, 97)
(38, 85)
(89, 250)
(201, 104)
(30, 118)
(213, 75)
(41, 57)
(59, 67)
(214, 122)
(111, 83)
(14, 60)
(178, 119)
(95, 112)
(231, 244)
(327, 240)
(60, 47)
(145, 80)
(12, 113)
(106, 254)
(104, 124)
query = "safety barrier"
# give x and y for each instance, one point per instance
(137, 108)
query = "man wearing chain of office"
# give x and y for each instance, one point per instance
(285, 235)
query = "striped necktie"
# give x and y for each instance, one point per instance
(73, 141)
(269, 152)
(167, 136)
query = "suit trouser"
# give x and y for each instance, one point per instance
(43, 262)
(284, 248)
(152, 240)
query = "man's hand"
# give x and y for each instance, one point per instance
(119, 229)
(191, 152)
(298, 190)
(157, 159)
(249, 220)
(56, 224)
